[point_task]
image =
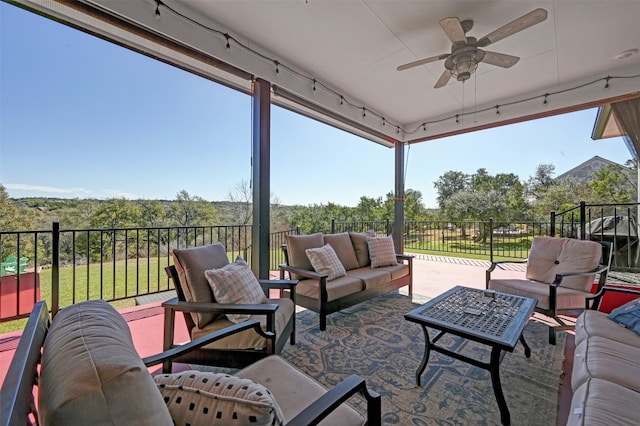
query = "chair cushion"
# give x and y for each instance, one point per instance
(343, 247)
(550, 256)
(359, 240)
(566, 298)
(296, 246)
(91, 373)
(381, 251)
(324, 260)
(247, 339)
(191, 264)
(294, 390)
(594, 323)
(235, 283)
(600, 402)
(208, 398)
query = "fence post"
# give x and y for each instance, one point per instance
(583, 218)
(552, 221)
(55, 268)
(333, 225)
(491, 239)
(388, 226)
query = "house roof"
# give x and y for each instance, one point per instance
(584, 171)
(337, 61)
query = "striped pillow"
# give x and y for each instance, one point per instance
(325, 261)
(381, 251)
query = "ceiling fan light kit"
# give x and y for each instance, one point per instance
(466, 54)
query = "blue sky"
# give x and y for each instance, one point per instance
(82, 118)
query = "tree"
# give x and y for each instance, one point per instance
(450, 183)
(189, 210)
(537, 184)
(475, 205)
(615, 184)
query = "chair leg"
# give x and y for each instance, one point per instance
(552, 335)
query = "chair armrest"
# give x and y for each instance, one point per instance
(303, 272)
(177, 351)
(560, 277)
(404, 256)
(282, 284)
(323, 406)
(220, 308)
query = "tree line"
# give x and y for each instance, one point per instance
(460, 196)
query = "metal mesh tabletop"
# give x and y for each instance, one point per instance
(471, 309)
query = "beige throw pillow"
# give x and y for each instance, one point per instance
(382, 251)
(235, 283)
(325, 261)
(207, 398)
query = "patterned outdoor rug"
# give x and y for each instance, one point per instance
(374, 340)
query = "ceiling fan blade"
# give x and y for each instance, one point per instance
(423, 61)
(453, 29)
(532, 18)
(443, 80)
(500, 59)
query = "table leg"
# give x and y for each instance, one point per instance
(425, 357)
(494, 369)
(527, 349)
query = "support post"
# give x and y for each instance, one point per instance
(398, 220)
(261, 146)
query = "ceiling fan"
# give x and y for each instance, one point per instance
(465, 51)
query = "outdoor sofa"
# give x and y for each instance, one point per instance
(336, 271)
(86, 371)
(606, 374)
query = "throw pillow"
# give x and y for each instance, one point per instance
(382, 251)
(235, 283)
(342, 245)
(199, 398)
(628, 315)
(325, 261)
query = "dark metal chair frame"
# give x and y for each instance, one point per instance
(553, 311)
(233, 358)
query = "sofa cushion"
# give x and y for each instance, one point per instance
(594, 323)
(324, 260)
(359, 240)
(550, 256)
(91, 373)
(336, 289)
(606, 359)
(294, 390)
(208, 398)
(381, 251)
(247, 339)
(235, 283)
(296, 246)
(600, 402)
(343, 247)
(191, 264)
(371, 277)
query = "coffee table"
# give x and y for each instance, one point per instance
(490, 318)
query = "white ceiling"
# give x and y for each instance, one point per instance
(352, 49)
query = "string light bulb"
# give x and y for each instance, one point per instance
(158, 2)
(228, 46)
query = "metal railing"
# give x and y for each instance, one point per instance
(616, 223)
(65, 266)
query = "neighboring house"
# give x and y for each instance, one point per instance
(585, 171)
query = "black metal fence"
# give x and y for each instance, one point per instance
(65, 266)
(123, 263)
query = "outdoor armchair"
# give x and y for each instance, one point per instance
(87, 371)
(560, 275)
(197, 271)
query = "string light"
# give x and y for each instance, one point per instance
(364, 112)
(343, 100)
(424, 127)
